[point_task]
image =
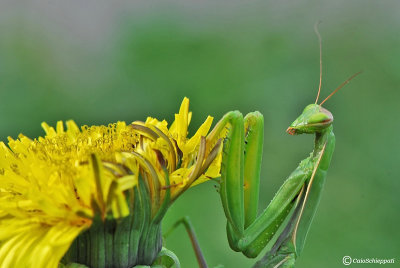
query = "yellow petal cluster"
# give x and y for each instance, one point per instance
(52, 187)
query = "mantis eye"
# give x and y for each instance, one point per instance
(318, 118)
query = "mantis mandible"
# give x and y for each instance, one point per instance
(296, 201)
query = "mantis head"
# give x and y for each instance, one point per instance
(314, 118)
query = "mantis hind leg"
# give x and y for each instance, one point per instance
(185, 221)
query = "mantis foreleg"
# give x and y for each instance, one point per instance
(240, 181)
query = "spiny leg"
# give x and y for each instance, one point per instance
(285, 255)
(253, 150)
(286, 249)
(243, 144)
(239, 185)
(193, 239)
(265, 226)
(231, 126)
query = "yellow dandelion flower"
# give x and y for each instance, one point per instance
(96, 195)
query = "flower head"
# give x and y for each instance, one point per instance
(53, 187)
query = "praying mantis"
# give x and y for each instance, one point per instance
(293, 207)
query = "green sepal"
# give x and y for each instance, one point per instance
(167, 259)
(121, 242)
(150, 239)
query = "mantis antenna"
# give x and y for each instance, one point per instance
(320, 68)
(342, 85)
(320, 58)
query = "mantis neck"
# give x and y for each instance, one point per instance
(326, 139)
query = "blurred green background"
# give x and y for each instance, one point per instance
(101, 61)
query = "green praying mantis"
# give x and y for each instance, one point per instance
(293, 207)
